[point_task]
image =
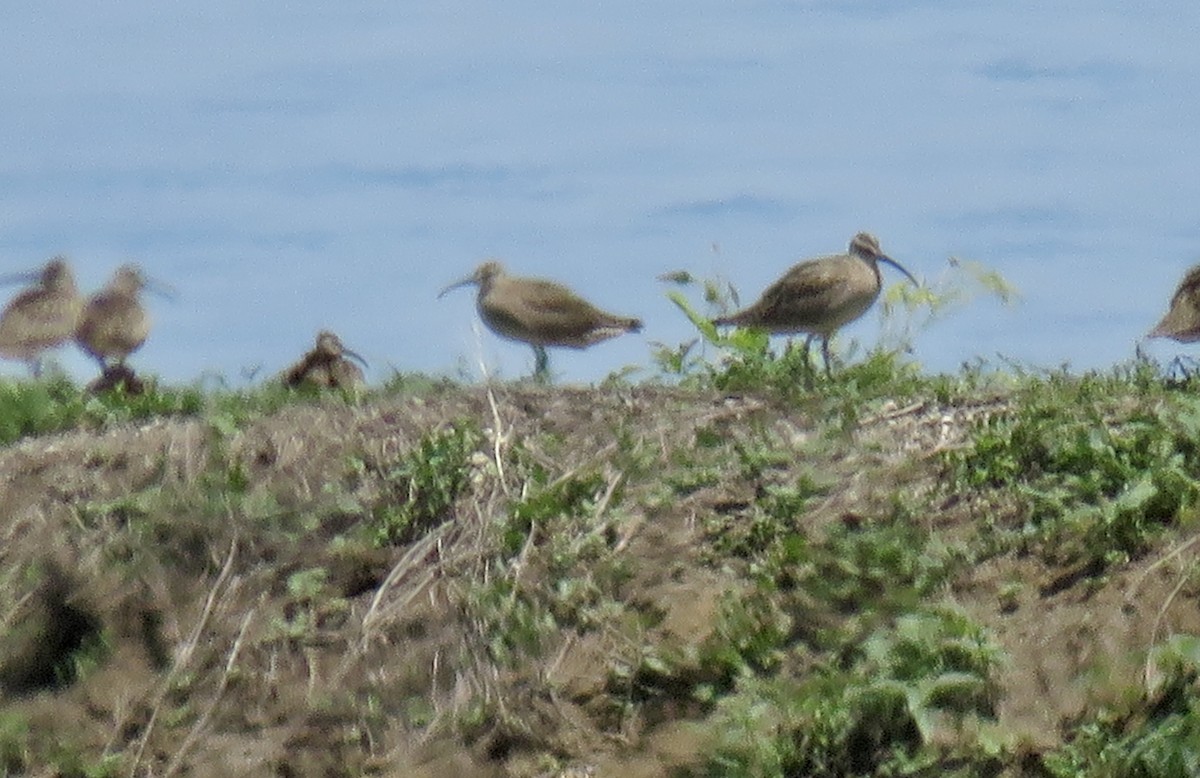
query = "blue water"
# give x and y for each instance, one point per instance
(295, 166)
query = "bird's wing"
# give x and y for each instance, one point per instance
(806, 293)
(1182, 318)
(554, 310)
(114, 321)
(36, 306)
(1188, 290)
(297, 373)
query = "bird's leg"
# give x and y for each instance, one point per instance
(35, 367)
(106, 370)
(1185, 368)
(825, 354)
(806, 361)
(130, 383)
(541, 364)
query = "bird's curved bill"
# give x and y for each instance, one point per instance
(26, 277)
(898, 266)
(160, 288)
(356, 356)
(461, 282)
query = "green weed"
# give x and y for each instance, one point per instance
(1157, 738)
(747, 363)
(907, 310)
(423, 485)
(554, 569)
(877, 716)
(552, 509)
(1098, 481)
(71, 762)
(14, 744)
(311, 606)
(118, 407)
(30, 408)
(512, 622)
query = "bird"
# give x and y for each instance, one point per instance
(1182, 320)
(819, 296)
(42, 316)
(114, 324)
(117, 377)
(328, 365)
(540, 313)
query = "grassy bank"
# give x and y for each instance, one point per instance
(748, 570)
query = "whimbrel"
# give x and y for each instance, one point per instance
(114, 324)
(42, 316)
(819, 296)
(1182, 321)
(327, 365)
(540, 313)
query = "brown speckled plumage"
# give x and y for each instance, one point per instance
(114, 323)
(42, 316)
(328, 365)
(1182, 320)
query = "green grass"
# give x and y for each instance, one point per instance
(1157, 736)
(1098, 465)
(423, 484)
(835, 648)
(875, 715)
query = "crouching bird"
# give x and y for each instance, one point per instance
(328, 366)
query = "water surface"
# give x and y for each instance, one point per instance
(291, 167)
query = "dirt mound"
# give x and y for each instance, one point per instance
(516, 581)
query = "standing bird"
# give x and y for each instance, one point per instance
(327, 365)
(1182, 321)
(819, 296)
(114, 324)
(41, 317)
(540, 313)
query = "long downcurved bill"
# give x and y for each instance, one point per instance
(27, 277)
(357, 357)
(462, 282)
(160, 288)
(898, 266)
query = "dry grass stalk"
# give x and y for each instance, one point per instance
(1151, 677)
(1174, 552)
(184, 655)
(421, 556)
(201, 724)
(499, 438)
